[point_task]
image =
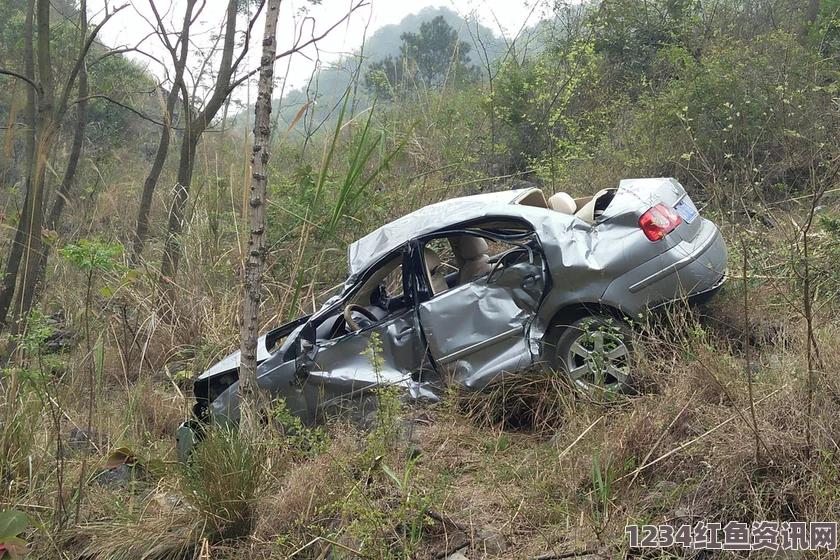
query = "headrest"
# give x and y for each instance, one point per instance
(587, 212)
(469, 247)
(563, 203)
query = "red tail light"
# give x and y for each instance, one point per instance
(659, 221)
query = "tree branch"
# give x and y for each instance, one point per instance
(65, 96)
(124, 106)
(124, 50)
(300, 47)
(14, 74)
(248, 35)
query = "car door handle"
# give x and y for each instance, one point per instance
(404, 334)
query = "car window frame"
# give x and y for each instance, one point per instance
(424, 291)
(341, 303)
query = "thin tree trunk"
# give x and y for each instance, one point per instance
(195, 128)
(45, 118)
(47, 133)
(63, 194)
(7, 285)
(180, 60)
(175, 226)
(248, 389)
(142, 232)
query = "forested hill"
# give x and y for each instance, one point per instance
(330, 80)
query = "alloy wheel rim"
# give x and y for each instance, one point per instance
(599, 360)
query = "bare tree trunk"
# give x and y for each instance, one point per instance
(7, 286)
(45, 117)
(248, 389)
(195, 128)
(63, 194)
(142, 231)
(47, 133)
(180, 61)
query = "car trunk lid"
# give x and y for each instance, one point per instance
(637, 196)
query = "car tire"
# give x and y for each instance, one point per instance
(596, 352)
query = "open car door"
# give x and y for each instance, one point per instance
(477, 327)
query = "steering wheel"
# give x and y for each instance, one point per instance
(348, 315)
(505, 258)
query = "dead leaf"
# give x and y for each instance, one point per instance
(119, 457)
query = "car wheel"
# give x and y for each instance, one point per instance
(596, 353)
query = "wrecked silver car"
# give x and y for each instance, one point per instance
(467, 289)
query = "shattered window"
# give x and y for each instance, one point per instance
(443, 249)
(394, 282)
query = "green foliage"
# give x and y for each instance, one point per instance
(631, 35)
(12, 524)
(92, 255)
(38, 330)
(603, 476)
(427, 60)
(306, 441)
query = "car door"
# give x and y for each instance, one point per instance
(478, 329)
(343, 370)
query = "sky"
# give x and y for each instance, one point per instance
(132, 26)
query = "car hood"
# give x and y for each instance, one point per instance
(232, 361)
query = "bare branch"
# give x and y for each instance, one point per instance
(299, 47)
(14, 74)
(124, 106)
(248, 35)
(164, 36)
(65, 96)
(123, 50)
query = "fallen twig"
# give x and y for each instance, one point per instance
(572, 554)
(447, 521)
(583, 433)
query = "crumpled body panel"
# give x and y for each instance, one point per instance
(470, 332)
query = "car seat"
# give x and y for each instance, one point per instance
(471, 254)
(437, 281)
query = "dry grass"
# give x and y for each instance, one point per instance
(510, 470)
(509, 473)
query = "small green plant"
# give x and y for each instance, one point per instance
(91, 257)
(12, 524)
(603, 476)
(37, 375)
(410, 514)
(303, 440)
(389, 407)
(222, 480)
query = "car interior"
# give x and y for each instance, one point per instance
(456, 259)
(453, 259)
(379, 297)
(587, 208)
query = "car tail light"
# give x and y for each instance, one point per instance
(659, 221)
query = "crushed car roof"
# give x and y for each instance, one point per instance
(455, 211)
(434, 217)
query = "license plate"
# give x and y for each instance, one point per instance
(686, 209)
